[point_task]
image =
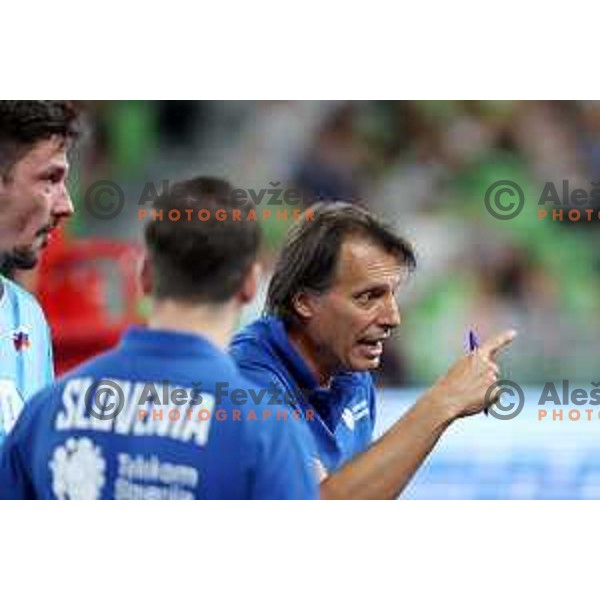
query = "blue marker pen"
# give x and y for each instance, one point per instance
(473, 340)
(473, 345)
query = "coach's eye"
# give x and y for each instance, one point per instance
(365, 297)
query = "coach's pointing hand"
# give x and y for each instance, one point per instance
(462, 390)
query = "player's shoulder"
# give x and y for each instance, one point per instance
(252, 338)
(82, 376)
(97, 366)
(12, 292)
(259, 349)
(42, 403)
(248, 394)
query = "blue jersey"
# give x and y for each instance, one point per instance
(151, 420)
(344, 413)
(25, 352)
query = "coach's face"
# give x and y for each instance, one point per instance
(349, 323)
(34, 200)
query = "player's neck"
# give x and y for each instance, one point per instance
(214, 323)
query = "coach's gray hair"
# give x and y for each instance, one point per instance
(309, 258)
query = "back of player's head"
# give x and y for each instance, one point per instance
(309, 259)
(23, 123)
(204, 261)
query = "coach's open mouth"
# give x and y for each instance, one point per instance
(373, 346)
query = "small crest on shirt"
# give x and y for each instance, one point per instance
(348, 418)
(21, 339)
(360, 410)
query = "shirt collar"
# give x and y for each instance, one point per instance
(330, 402)
(296, 363)
(293, 360)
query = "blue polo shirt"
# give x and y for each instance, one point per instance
(154, 419)
(342, 416)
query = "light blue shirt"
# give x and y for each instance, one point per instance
(25, 352)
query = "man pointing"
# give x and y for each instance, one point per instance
(331, 305)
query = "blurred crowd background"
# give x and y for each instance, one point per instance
(423, 165)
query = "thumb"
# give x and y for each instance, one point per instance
(491, 348)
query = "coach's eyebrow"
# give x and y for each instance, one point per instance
(373, 287)
(370, 288)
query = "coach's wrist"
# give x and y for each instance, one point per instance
(439, 406)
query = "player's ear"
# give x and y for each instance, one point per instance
(146, 275)
(304, 304)
(250, 284)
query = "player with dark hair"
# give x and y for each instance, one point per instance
(34, 139)
(331, 305)
(155, 417)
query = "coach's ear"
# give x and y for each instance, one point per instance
(146, 276)
(304, 304)
(250, 284)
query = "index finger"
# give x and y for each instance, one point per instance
(497, 343)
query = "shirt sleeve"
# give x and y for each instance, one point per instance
(284, 468)
(285, 450)
(289, 462)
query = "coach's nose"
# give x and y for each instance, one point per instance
(390, 315)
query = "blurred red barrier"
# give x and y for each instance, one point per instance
(73, 288)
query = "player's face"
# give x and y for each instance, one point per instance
(34, 200)
(351, 321)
